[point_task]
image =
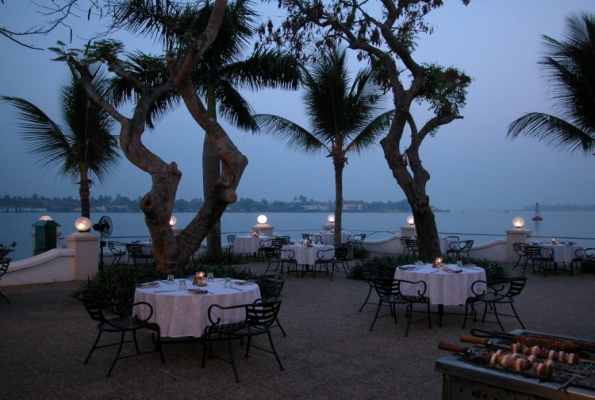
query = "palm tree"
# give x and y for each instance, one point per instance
(81, 146)
(221, 71)
(571, 68)
(343, 118)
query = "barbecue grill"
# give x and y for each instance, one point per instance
(467, 376)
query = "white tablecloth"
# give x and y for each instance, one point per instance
(182, 314)
(329, 238)
(442, 287)
(305, 255)
(562, 252)
(248, 244)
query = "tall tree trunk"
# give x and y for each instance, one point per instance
(339, 163)
(211, 171)
(84, 192)
(414, 186)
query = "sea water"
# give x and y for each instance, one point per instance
(577, 226)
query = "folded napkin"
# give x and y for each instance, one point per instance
(250, 282)
(148, 284)
(407, 267)
(452, 271)
(197, 291)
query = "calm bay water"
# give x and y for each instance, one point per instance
(481, 226)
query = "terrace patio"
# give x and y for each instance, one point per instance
(329, 352)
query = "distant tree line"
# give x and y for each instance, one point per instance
(125, 204)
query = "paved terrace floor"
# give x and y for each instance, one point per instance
(329, 352)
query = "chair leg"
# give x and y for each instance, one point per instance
(367, 298)
(498, 317)
(117, 354)
(233, 362)
(517, 316)
(409, 311)
(275, 351)
(93, 348)
(135, 342)
(280, 327)
(4, 297)
(376, 316)
(429, 315)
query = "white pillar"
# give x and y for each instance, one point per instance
(263, 229)
(86, 259)
(408, 231)
(515, 235)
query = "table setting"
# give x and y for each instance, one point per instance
(180, 307)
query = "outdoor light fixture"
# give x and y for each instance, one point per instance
(82, 224)
(410, 220)
(45, 218)
(262, 219)
(518, 222)
(172, 221)
(331, 218)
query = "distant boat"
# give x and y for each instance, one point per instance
(537, 217)
(506, 211)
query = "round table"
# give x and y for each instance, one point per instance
(248, 244)
(184, 314)
(307, 255)
(442, 287)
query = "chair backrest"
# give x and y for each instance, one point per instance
(271, 253)
(93, 307)
(589, 253)
(271, 290)
(516, 285)
(262, 313)
(116, 248)
(4, 263)
(466, 245)
(134, 249)
(231, 239)
(412, 245)
(388, 287)
(278, 242)
(539, 252)
(342, 251)
(307, 236)
(358, 238)
(519, 248)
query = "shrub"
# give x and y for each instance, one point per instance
(6, 250)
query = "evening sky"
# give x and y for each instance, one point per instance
(473, 165)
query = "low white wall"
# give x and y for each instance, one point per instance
(495, 250)
(76, 262)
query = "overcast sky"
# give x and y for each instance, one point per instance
(473, 165)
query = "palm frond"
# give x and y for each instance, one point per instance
(44, 137)
(295, 137)
(553, 131)
(265, 69)
(371, 132)
(234, 107)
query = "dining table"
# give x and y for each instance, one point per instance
(563, 252)
(307, 255)
(449, 285)
(184, 312)
(445, 244)
(329, 238)
(248, 244)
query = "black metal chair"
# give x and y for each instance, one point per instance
(390, 292)
(542, 256)
(404, 244)
(457, 250)
(500, 292)
(279, 258)
(412, 248)
(137, 252)
(231, 239)
(519, 249)
(270, 290)
(118, 250)
(358, 239)
(122, 325)
(333, 259)
(4, 263)
(259, 319)
(372, 271)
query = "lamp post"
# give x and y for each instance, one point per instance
(516, 235)
(409, 230)
(262, 227)
(330, 223)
